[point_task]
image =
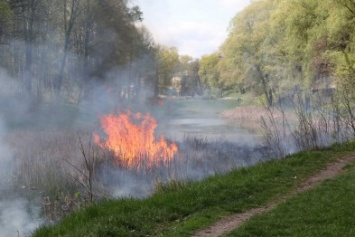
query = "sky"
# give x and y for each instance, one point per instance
(194, 27)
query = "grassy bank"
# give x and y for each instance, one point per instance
(327, 210)
(181, 208)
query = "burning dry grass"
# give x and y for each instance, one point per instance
(131, 138)
(66, 170)
(197, 158)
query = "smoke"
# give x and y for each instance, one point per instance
(197, 159)
(38, 140)
(18, 218)
(127, 183)
(6, 162)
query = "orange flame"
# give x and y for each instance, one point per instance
(132, 140)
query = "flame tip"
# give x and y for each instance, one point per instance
(134, 144)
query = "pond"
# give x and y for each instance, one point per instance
(202, 118)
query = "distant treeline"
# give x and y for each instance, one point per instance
(275, 48)
(69, 48)
(280, 47)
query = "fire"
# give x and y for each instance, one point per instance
(131, 138)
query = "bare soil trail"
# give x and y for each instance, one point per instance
(232, 222)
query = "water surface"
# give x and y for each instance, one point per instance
(202, 118)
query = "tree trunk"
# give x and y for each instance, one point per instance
(68, 30)
(265, 87)
(29, 22)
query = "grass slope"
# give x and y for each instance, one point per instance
(327, 210)
(181, 208)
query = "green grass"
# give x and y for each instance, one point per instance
(181, 208)
(327, 210)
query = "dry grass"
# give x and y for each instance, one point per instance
(50, 166)
(40, 156)
(251, 116)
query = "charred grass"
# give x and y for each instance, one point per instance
(181, 208)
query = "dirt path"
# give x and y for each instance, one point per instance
(229, 223)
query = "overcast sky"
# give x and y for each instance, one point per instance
(195, 27)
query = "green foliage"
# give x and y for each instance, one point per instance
(5, 11)
(168, 61)
(248, 54)
(188, 71)
(5, 16)
(209, 73)
(68, 44)
(278, 46)
(182, 208)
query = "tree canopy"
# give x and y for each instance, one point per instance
(70, 47)
(278, 46)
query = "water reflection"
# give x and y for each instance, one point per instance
(202, 118)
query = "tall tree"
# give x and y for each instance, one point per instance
(209, 73)
(5, 15)
(70, 14)
(244, 54)
(167, 62)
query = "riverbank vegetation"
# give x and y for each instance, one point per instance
(296, 59)
(181, 208)
(64, 64)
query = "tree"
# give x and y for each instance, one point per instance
(5, 15)
(188, 71)
(167, 61)
(70, 46)
(209, 73)
(70, 9)
(281, 46)
(117, 44)
(245, 59)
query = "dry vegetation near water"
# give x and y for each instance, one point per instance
(301, 126)
(48, 165)
(63, 171)
(180, 209)
(67, 170)
(251, 116)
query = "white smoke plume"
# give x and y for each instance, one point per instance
(18, 218)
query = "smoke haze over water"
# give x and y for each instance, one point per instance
(37, 140)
